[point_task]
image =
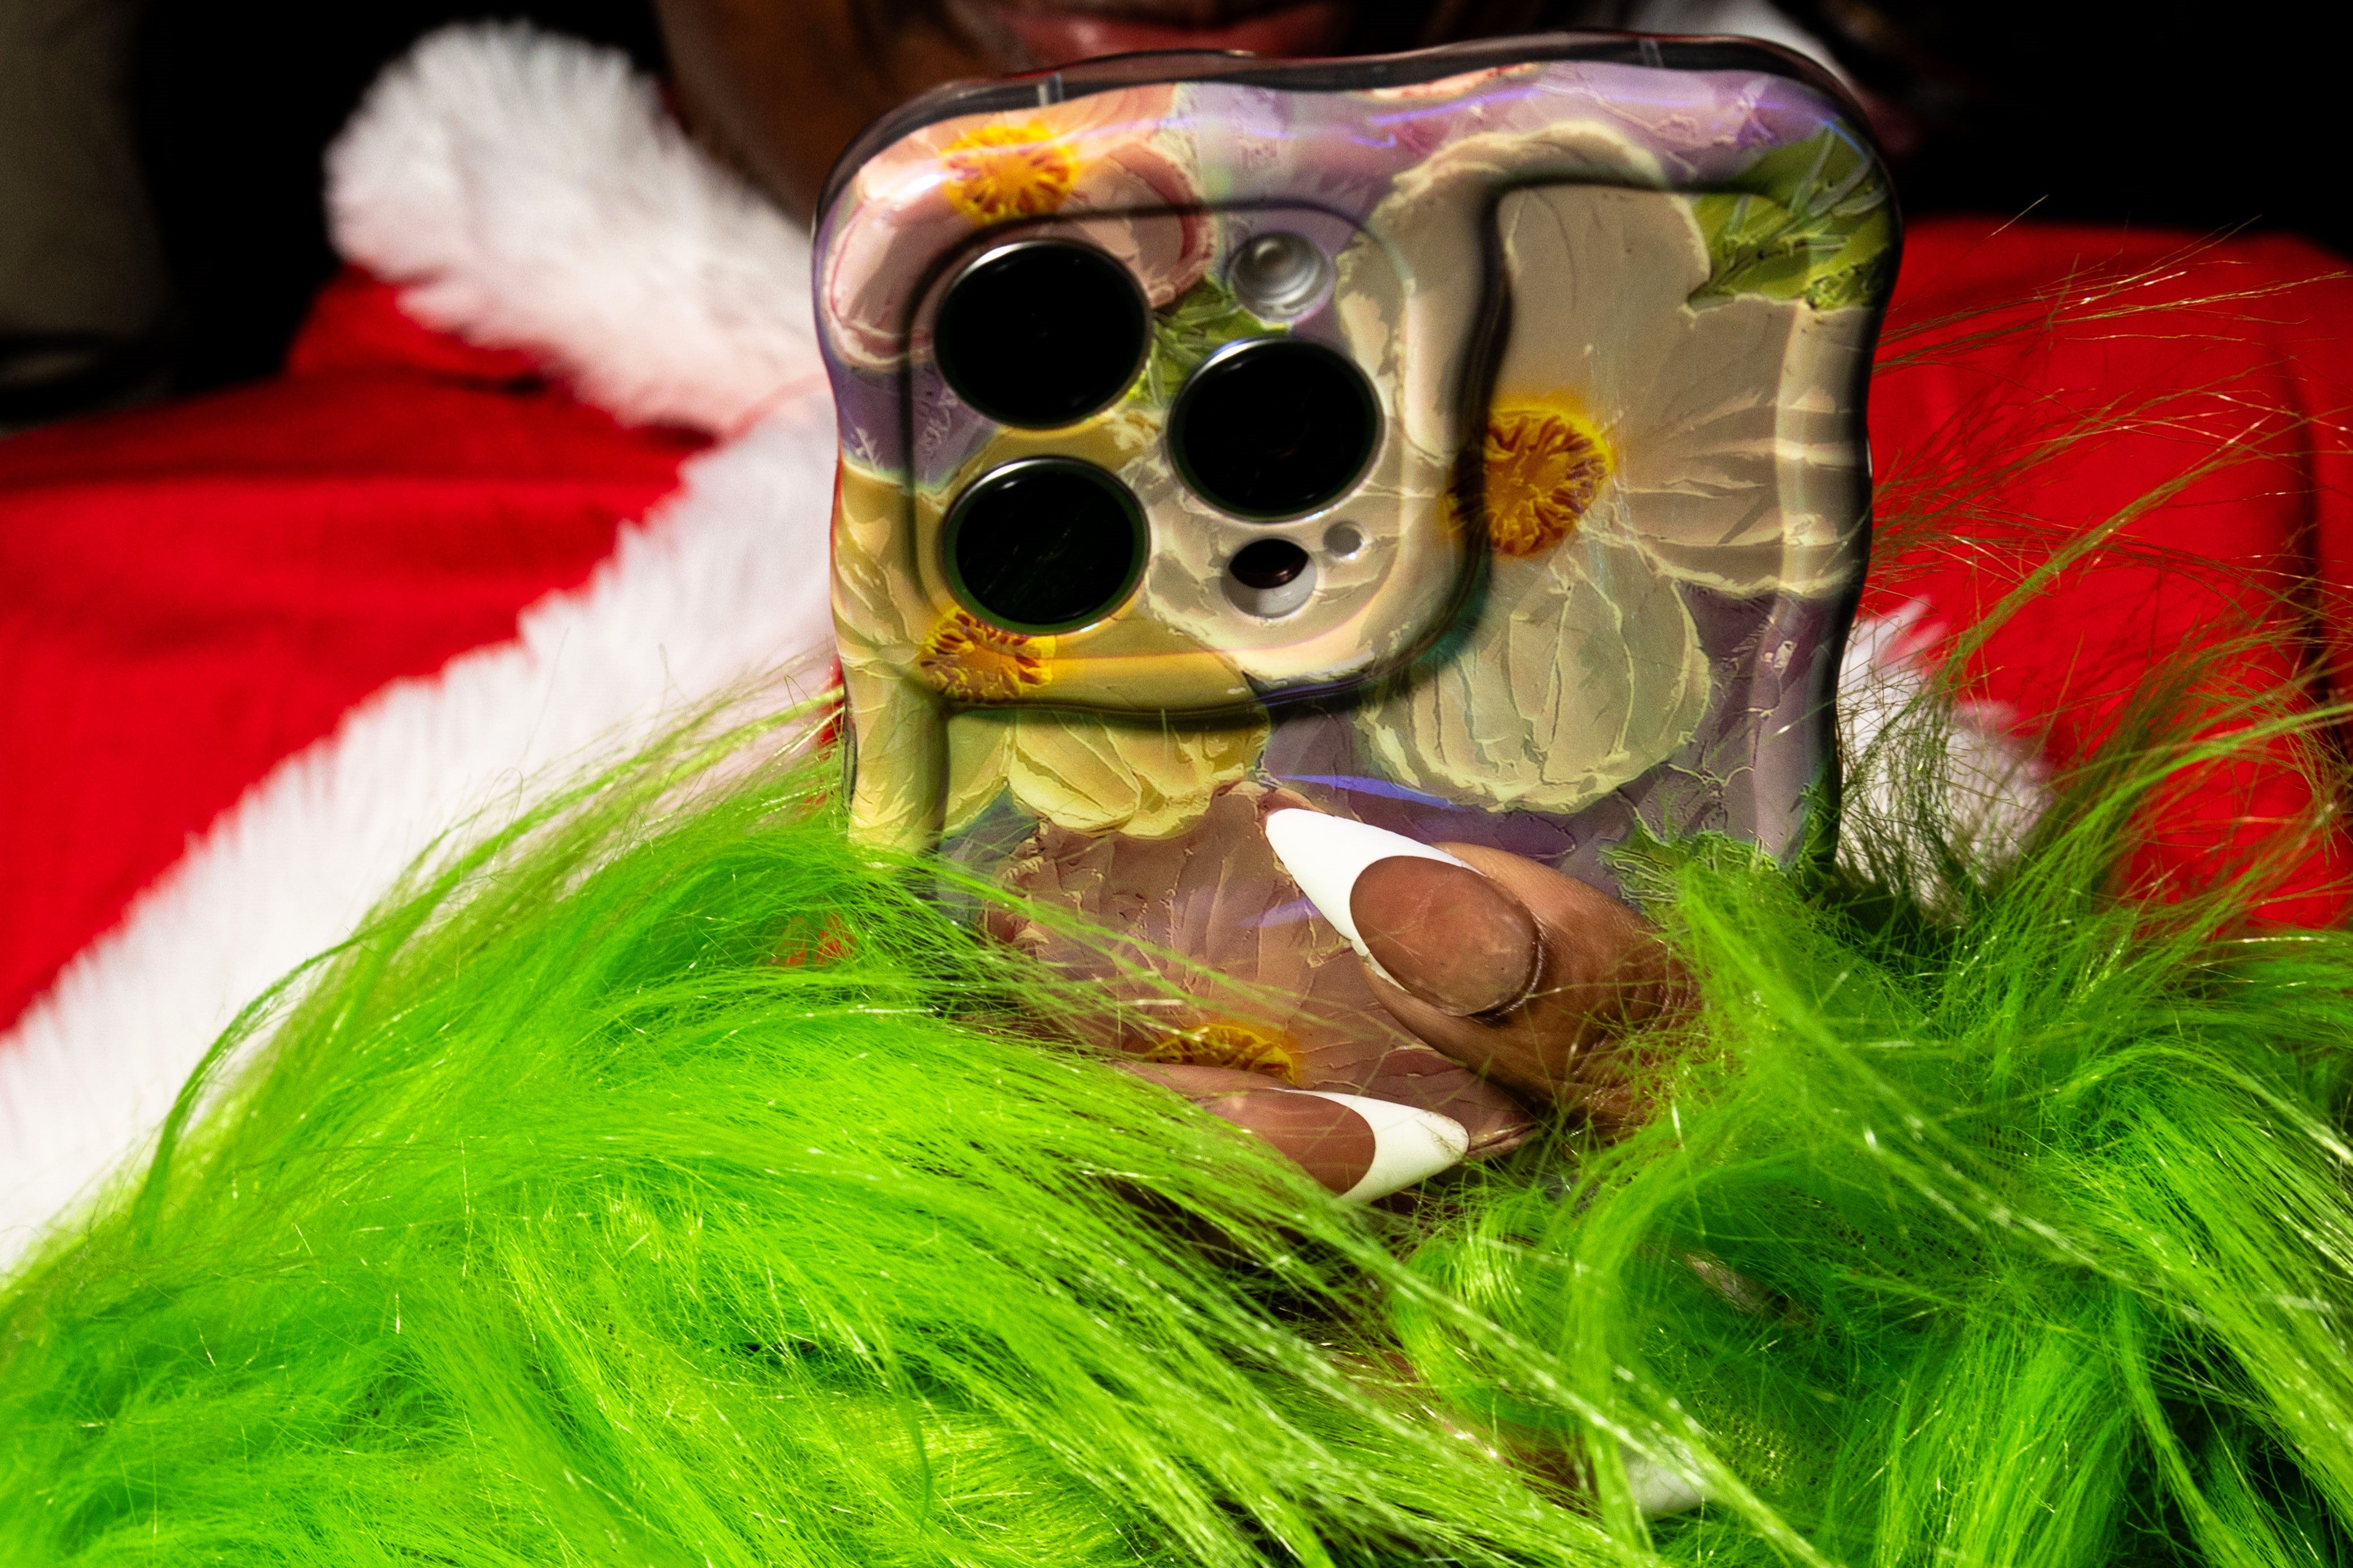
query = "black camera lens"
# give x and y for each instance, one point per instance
(1268, 563)
(1274, 428)
(1045, 545)
(1042, 332)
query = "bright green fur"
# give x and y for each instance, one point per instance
(553, 1220)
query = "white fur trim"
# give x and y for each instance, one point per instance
(531, 192)
(1990, 785)
(719, 585)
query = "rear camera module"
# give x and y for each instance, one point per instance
(1042, 332)
(1270, 577)
(1274, 428)
(1044, 544)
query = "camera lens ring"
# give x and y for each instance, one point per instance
(1041, 333)
(1078, 567)
(1272, 428)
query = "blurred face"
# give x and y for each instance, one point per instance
(781, 85)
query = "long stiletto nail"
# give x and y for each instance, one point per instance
(1662, 1490)
(1409, 1145)
(1325, 855)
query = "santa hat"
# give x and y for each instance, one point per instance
(530, 194)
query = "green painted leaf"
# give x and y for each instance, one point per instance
(1187, 330)
(1810, 221)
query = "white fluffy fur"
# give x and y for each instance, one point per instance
(1990, 787)
(716, 586)
(530, 194)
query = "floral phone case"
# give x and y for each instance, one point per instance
(1597, 312)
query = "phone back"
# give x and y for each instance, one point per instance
(1470, 443)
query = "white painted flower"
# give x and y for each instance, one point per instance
(1100, 164)
(1725, 427)
(1635, 442)
(1581, 671)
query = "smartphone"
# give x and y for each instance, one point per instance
(1470, 442)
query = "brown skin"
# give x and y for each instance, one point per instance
(780, 86)
(1522, 973)
(1328, 1140)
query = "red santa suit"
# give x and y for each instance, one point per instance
(554, 462)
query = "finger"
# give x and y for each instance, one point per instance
(1601, 972)
(1327, 855)
(1516, 971)
(1450, 937)
(1360, 1148)
(1197, 1082)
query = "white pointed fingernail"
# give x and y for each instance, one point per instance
(1661, 1490)
(1409, 1145)
(1325, 855)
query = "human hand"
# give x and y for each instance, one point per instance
(1524, 974)
(1521, 974)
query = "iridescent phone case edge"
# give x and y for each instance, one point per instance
(1698, 589)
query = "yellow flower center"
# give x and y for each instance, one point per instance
(974, 662)
(1236, 1045)
(1001, 172)
(1544, 468)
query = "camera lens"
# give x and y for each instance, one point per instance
(1044, 544)
(1040, 334)
(1274, 428)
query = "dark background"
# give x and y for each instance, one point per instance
(234, 102)
(2153, 114)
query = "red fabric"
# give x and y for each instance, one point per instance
(189, 595)
(2135, 359)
